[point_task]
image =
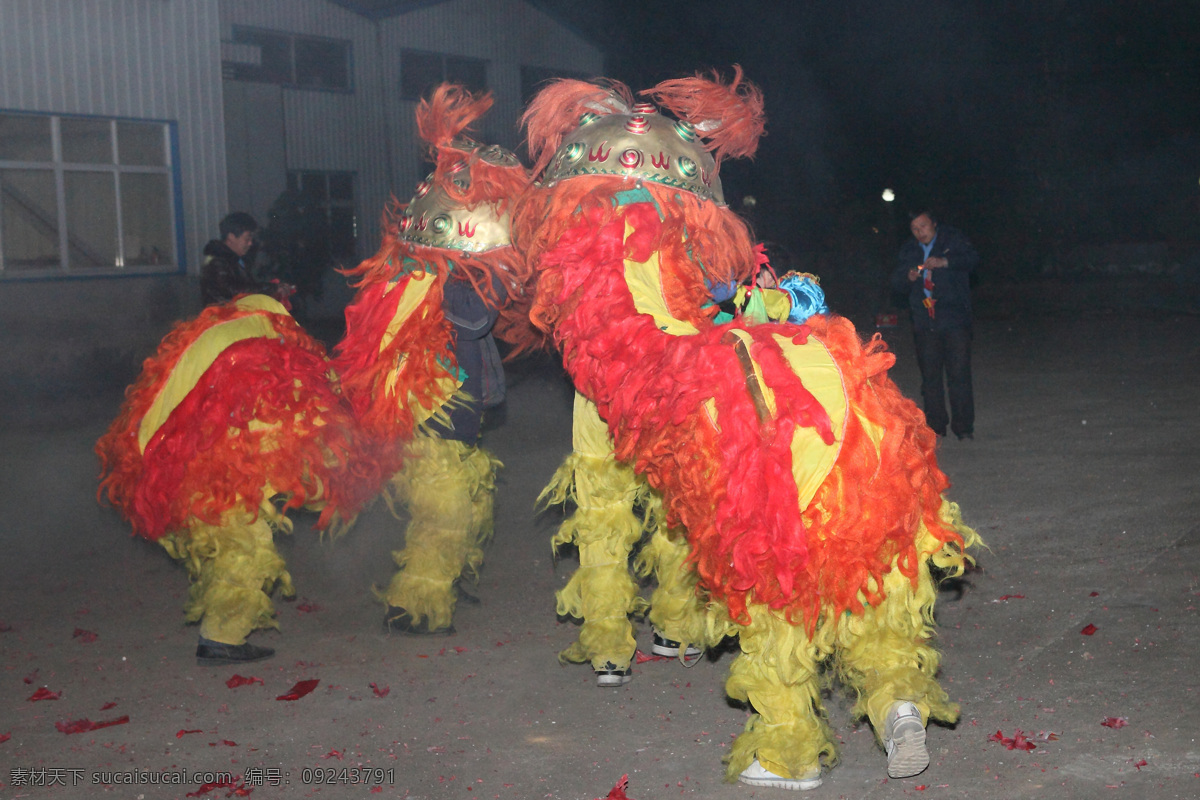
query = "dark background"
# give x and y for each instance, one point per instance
(1057, 134)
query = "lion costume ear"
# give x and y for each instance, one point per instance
(729, 116)
(449, 111)
(555, 111)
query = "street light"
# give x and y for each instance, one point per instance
(888, 195)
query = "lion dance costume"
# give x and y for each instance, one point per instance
(412, 361)
(805, 483)
(233, 421)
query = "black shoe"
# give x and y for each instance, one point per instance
(968, 435)
(663, 646)
(211, 654)
(460, 589)
(398, 620)
(610, 677)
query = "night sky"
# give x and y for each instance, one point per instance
(1036, 126)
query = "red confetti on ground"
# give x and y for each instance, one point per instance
(31, 677)
(458, 649)
(1094, 594)
(307, 607)
(1016, 742)
(87, 637)
(380, 692)
(1047, 736)
(107, 706)
(4, 737)
(641, 658)
(238, 680)
(182, 733)
(236, 788)
(921, 788)
(618, 791)
(225, 742)
(44, 694)
(85, 725)
(338, 754)
(1115, 722)
(1011, 597)
(299, 690)
(1089, 629)
(1140, 764)
(376, 790)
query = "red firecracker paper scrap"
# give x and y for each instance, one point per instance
(87, 637)
(307, 607)
(85, 725)
(1115, 722)
(4, 737)
(108, 705)
(44, 694)
(641, 658)
(31, 677)
(1089, 629)
(380, 692)
(618, 791)
(1018, 741)
(1005, 597)
(182, 733)
(236, 787)
(239, 680)
(1140, 764)
(299, 690)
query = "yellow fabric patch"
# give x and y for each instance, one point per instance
(812, 459)
(415, 289)
(199, 357)
(644, 280)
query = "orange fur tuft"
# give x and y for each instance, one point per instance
(556, 109)
(729, 116)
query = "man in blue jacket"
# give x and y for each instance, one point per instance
(934, 270)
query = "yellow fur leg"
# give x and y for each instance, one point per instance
(885, 654)
(678, 610)
(605, 530)
(448, 488)
(777, 674)
(233, 569)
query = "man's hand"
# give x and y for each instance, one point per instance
(936, 262)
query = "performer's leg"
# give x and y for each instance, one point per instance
(604, 529)
(678, 613)
(958, 381)
(931, 360)
(885, 655)
(233, 568)
(787, 739)
(448, 488)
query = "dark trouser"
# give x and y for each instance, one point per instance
(947, 351)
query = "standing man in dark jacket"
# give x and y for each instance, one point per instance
(224, 273)
(934, 270)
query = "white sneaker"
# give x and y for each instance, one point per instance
(904, 740)
(610, 676)
(758, 775)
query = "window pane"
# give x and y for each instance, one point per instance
(141, 144)
(312, 184)
(25, 138)
(322, 64)
(146, 220)
(86, 141)
(30, 219)
(275, 57)
(341, 186)
(91, 219)
(470, 72)
(419, 72)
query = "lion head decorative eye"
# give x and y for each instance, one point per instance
(574, 151)
(632, 159)
(587, 118)
(423, 188)
(686, 131)
(441, 224)
(687, 167)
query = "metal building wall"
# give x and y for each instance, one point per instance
(136, 58)
(327, 130)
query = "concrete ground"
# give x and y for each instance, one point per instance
(1078, 633)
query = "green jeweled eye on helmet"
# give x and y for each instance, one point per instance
(441, 224)
(574, 151)
(687, 166)
(686, 131)
(587, 117)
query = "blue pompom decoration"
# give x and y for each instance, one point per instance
(808, 297)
